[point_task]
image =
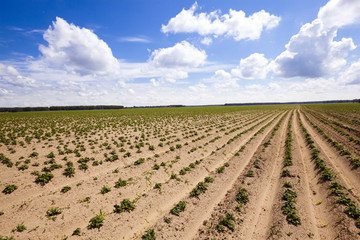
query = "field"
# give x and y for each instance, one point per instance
(240, 172)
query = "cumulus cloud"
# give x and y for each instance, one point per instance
(235, 24)
(10, 76)
(313, 52)
(256, 66)
(223, 79)
(338, 13)
(206, 41)
(77, 49)
(351, 75)
(182, 55)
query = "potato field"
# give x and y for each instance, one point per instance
(234, 172)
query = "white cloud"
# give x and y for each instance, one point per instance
(206, 41)
(10, 76)
(182, 55)
(313, 52)
(3, 91)
(235, 24)
(77, 49)
(338, 13)
(134, 39)
(256, 66)
(351, 75)
(223, 79)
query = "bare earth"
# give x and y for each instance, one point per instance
(224, 147)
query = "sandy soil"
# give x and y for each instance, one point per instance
(205, 144)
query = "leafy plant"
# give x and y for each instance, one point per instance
(201, 187)
(69, 172)
(149, 235)
(20, 227)
(9, 189)
(242, 196)
(76, 232)
(44, 178)
(208, 180)
(120, 183)
(97, 221)
(180, 207)
(105, 189)
(65, 189)
(53, 211)
(125, 205)
(228, 222)
(139, 161)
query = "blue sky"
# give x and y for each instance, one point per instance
(134, 52)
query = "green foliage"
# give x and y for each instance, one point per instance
(76, 232)
(208, 180)
(120, 183)
(44, 178)
(285, 173)
(125, 205)
(9, 189)
(250, 173)
(149, 235)
(69, 172)
(227, 221)
(180, 207)
(53, 211)
(96, 222)
(105, 189)
(201, 187)
(65, 189)
(139, 161)
(20, 227)
(242, 196)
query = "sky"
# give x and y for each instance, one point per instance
(161, 52)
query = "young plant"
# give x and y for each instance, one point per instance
(125, 205)
(44, 178)
(149, 235)
(9, 189)
(53, 211)
(180, 207)
(105, 189)
(120, 183)
(65, 189)
(97, 221)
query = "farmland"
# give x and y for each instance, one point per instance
(236, 172)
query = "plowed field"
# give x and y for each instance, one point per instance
(259, 172)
